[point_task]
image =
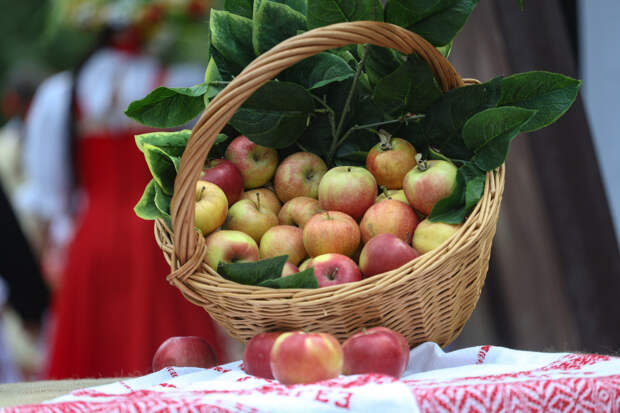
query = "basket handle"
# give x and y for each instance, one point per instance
(187, 248)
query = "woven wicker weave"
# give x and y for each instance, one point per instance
(430, 298)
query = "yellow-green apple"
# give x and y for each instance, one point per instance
(389, 217)
(226, 175)
(376, 350)
(429, 182)
(264, 196)
(348, 189)
(301, 358)
(429, 235)
(331, 231)
(298, 211)
(383, 253)
(305, 264)
(230, 246)
(333, 269)
(184, 351)
(248, 217)
(395, 194)
(390, 160)
(211, 207)
(289, 269)
(257, 355)
(299, 174)
(256, 163)
(283, 240)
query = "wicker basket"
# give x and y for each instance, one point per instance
(430, 298)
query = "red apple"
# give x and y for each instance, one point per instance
(248, 217)
(264, 196)
(390, 160)
(256, 163)
(211, 207)
(283, 240)
(348, 189)
(299, 174)
(333, 269)
(189, 351)
(376, 350)
(230, 246)
(429, 235)
(289, 269)
(301, 358)
(331, 231)
(298, 211)
(383, 253)
(257, 355)
(429, 182)
(226, 175)
(389, 217)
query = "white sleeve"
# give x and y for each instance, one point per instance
(46, 158)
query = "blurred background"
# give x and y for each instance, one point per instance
(554, 276)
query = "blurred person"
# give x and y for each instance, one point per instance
(112, 307)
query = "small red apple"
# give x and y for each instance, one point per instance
(389, 217)
(265, 197)
(256, 163)
(230, 246)
(251, 218)
(428, 183)
(301, 358)
(189, 351)
(376, 350)
(299, 174)
(283, 240)
(298, 211)
(383, 253)
(390, 160)
(226, 175)
(348, 189)
(257, 355)
(331, 231)
(333, 269)
(289, 269)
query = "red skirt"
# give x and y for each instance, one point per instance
(114, 306)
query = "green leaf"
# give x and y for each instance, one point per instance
(241, 8)
(231, 37)
(168, 107)
(438, 21)
(213, 79)
(252, 273)
(474, 184)
(303, 279)
(521, 4)
(300, 6)
(380, 62)
(146, 208)
(162, 202)
(273, 23)
(446, 49)
(451, 209)
(410, 88)
(275, 115)
(326, 12)
(173, 143)
(490, 132)
(551, 94)
(163, 167)
(319, 70)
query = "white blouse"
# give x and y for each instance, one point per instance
(108, 82)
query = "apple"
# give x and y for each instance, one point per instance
(230, 246)
(376, 350)
(248, 217)
(289, 269)
(348, 189)
(429, 235)
(389, 217)
(264, 196)
(211, 207)
(226, 175)
(187, 351)
(256, 163)
(283, 240)
(390, 160)
(257, 355)
(383, 253)
(299, 174)
(333, 269)
(395, 194)
(301, 358)
(305, 264)
(298, 211)
(331, 231)
(429, 182)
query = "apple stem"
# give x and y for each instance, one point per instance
(332, 274)
(202, 190)
(386, 192)
(258, 200)
(328, 216)
(422, 163)
(385, 139)
(407, 237)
